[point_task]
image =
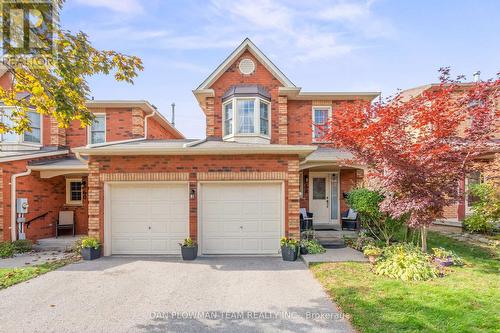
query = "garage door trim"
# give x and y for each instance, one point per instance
(107, 206)
(200, 205)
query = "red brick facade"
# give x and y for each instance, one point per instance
(44, 196)
(194, 169)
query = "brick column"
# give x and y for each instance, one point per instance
(193, 207)
(57, 134)
(210, 116)
(282, 120)
(137, 123)
(293, 199)
(94, 199)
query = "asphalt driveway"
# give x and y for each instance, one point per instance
(215, 294)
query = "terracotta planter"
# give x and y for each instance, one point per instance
(372, 259)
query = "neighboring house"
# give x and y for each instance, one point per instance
(136, 183)
(455, 214)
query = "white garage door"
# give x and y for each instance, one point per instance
(148, 218)
(241, 218)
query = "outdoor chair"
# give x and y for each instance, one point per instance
(306, 219)
(350, 220)
(66, 221)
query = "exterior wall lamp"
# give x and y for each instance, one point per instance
(192, 194)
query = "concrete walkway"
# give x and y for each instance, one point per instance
(33, 258)
(158, 294)
(335, 255)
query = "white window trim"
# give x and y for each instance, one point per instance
(70, 202)
(20, 137)
(314, 108)
(89, 131)
(256, 118)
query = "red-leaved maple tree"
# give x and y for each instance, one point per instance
(419, 147)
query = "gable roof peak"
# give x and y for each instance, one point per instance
(247, 44)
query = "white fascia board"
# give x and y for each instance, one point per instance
(30, 156)
(282, 150)
(247, 44)
(58, 167)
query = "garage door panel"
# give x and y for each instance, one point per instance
(130, 227)
(241, 218)
(148, 218)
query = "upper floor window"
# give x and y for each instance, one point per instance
(97, 131)
(320, 117)
(33, 136)
(246, 116)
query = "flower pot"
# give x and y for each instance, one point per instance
(372, 259)
(289, 253)
(89, 253)
(303, 250)
(189, 252)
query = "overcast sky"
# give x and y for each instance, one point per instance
(375, 45)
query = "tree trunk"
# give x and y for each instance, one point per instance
(423, 234)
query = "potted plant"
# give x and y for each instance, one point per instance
(372, 252)
(189, 249)
(289, 249)
(90, 248)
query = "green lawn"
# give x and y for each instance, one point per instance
(466, 300)
(11, 276)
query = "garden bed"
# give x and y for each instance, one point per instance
(465, 300)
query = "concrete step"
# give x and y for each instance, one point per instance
(331, 242)
(61, 244)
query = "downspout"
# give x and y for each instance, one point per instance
(13, 180)
(81, 159)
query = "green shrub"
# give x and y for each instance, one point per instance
(485, 208)
(6, 250)
(90, 242)
(372, 250)
(313, 246)
(477, 223)
(22, 245)
(405, 262)
(367, 203)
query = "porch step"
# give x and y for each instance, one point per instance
(62, 244)
(332, 243)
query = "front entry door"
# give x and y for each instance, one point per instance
(324, 197)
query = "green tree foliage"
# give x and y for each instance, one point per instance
(367, 203)
(59, 86)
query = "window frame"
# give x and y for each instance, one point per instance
(89, 130)
(20, 140)
(313, 123)
(70, 202)
(256, 118)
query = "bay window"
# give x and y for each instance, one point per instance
(246, 116)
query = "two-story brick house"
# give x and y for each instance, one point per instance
(136, 183)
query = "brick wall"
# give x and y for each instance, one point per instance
(193, 169)
(44, 195)
(157, 131)
(232, 76)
